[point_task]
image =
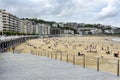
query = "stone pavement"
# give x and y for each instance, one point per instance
(31, 67)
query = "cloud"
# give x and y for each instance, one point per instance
(65, 10)
(111, 10)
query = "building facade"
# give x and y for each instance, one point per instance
(1, 25)
(88, 31)
(44, 29)
(10, 22)
(27, 27)
(24, 26)
(72, 25)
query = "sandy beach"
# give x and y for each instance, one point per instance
(90, 46)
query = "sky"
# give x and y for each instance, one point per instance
(82, 11)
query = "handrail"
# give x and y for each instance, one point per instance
(74, 58)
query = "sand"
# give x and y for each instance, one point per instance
(73, 45)
(92, 47)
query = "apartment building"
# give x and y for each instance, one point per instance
(24, 26)
(54, 25)
(72, 25)
(36, 29)
(10, 22)
(88, 31)
(1, 25)
(61, 24)
(44, 29)
(27, 27)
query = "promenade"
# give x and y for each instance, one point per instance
(6, 42)
(31, 67)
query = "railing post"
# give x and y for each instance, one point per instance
(38, 53)
(51, 55)
(83, 61)
(45, 53)
(31, 51)
(48, 54)
(41, 53)
(56, 56)
(73, 59)
(118, 69)
(67, 57)
(61, 56)
(97, 64)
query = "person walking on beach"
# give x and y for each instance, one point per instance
(13, 48)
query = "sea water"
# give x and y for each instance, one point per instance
(116, 39)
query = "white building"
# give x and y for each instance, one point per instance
(43, 29)
(73, 25)
(109, 31)
(61, 24)
(27, 27)
(86, 31)
(1, 25)
(10, 22)
(54, 25)
(24, 26)
(36, 29)
(68, 32)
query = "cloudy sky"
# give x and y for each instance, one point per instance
(82, 11)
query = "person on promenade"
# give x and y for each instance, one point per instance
(13, 48)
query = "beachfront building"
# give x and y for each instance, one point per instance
(27, 27)
(10, 22)
(108, 31)
(24, 26)
(88, 31)
(72, 25)
(43, 29)
(1, 25)
(58, 25)
(66, 32)
(61, 24)
(5, 20)
(35, 28)
(55, 31)
(54, 25)
(116, 30)
(81, 25)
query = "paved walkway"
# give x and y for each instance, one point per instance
(30, 67)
